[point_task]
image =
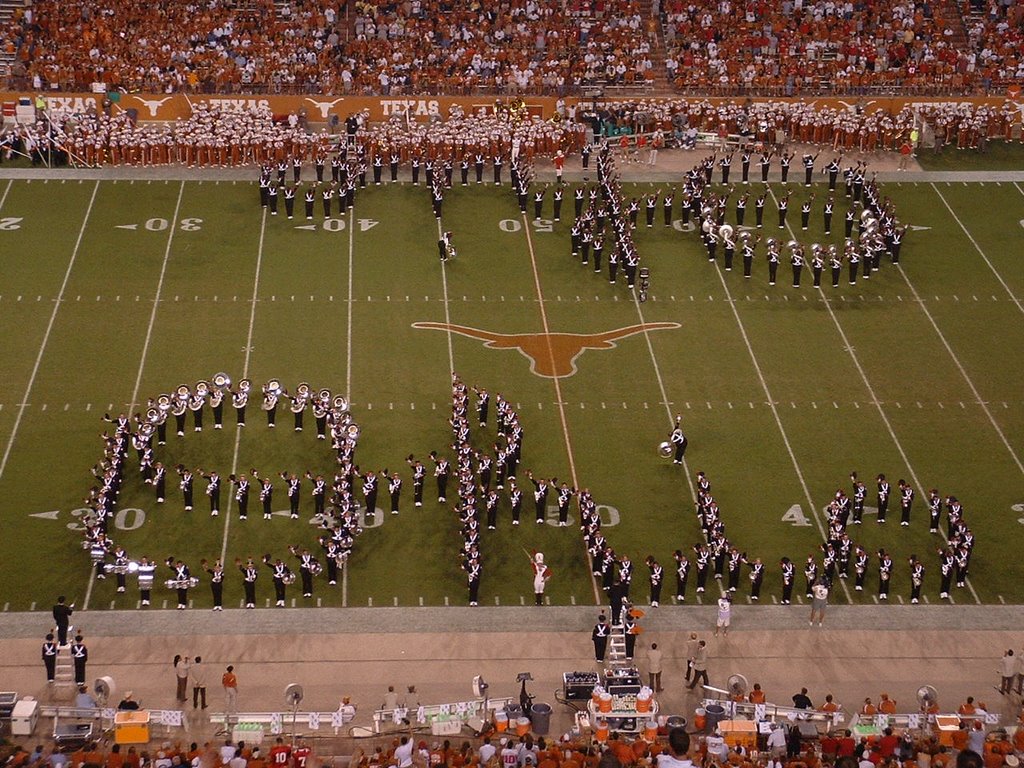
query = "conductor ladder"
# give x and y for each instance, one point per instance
(617, 646)
(64, 671)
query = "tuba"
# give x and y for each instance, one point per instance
(665, 450)
(340, 403)
(221, 380)
(244, 385)
(202, 388)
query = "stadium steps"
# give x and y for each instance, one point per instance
(8, 9)
(949, 15)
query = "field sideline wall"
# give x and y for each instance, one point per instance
(164, 107)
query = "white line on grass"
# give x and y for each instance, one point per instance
(664, 394)
(447, 313)
(245, 374)
(145, 343)
(42, 348)
(558, 391)
(974, 390)
(156, 300)
(49, 327)
(775, 414)
(6, 191)
(871, 391)
(978, 249)
(348, 368)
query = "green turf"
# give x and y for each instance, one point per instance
(930, 426)
(998, 156)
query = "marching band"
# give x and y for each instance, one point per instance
(336, 509)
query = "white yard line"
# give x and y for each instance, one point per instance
(668, 411)
(598, 598)
(871, 391)
(977, 247)
(6, 192)
(245, 375)
(348, 367)
(145, 344)
(974, 390)
(664, 394)
(49, 328)
(156, 300)
(775, 414)
(447, 312)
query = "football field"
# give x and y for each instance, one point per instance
(115, 291)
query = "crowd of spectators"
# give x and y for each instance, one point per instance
(392, 47)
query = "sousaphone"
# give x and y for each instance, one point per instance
(221, 380)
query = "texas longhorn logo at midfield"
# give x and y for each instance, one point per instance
(552, 355)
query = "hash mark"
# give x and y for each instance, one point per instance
(396, 601)
(446, 600)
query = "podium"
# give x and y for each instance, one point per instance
(131, 727)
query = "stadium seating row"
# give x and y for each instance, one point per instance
(722, 47)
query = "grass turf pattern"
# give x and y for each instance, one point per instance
(193, 254)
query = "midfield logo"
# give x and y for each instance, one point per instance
(552, 355)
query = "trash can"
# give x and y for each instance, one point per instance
(715, 713)
(540, 715)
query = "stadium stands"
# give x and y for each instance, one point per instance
(708, 47)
